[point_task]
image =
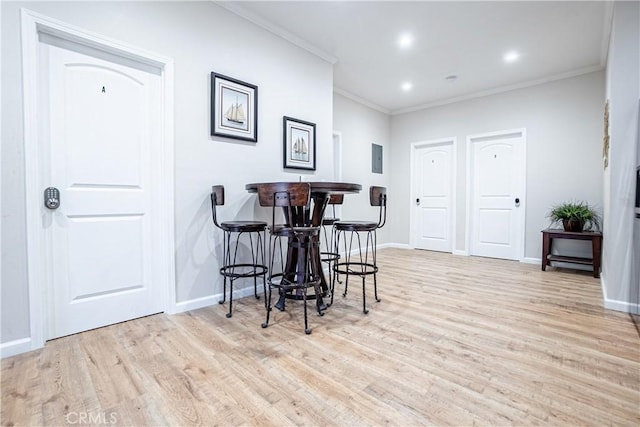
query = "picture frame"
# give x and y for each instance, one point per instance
(234, 108)
(299, 144)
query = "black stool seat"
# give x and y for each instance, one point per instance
(355, 225)
(285, 230)
(243, 226)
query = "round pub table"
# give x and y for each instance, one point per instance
(320, 192)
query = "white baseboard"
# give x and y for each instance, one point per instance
(355, 250)
(617, 305)
(623, 306)
(528, 260)
(394, 245)
(11, 348)
(460, 253)
(209, 300)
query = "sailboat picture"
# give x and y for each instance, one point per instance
(300, 147)
(299, 144)
(235, 113)
(234, 108)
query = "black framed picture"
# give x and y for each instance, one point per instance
(234, 108)
(299, 144)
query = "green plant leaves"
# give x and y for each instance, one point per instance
(575, 211)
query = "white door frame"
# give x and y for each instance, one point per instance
(337, 164)
(521, 133)
(453, 141)
(337, 155)
(34, 24)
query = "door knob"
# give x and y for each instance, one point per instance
(517, 201)
(418, 201)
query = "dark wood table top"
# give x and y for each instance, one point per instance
(319, 187)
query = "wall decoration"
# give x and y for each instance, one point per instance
(299, 144)
(234, 108)
(605, 141)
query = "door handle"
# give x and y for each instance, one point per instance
(418, 201)
(52, 198)
(517, 201)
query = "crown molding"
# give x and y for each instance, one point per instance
(606, 32)
(501, 89)
(237, 9)
(360, 100)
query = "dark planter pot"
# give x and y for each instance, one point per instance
(572, 225)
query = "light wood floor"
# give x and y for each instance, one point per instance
(455, 341)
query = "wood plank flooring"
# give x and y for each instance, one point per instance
(455, 341)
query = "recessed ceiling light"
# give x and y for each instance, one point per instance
(406, 86)
(511, 56)
(405, 41)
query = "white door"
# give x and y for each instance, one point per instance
(433, 184)
(103, 118)
(498, 193)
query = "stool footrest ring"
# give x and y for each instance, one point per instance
(355, 268)
(255, 270)
(288, 287)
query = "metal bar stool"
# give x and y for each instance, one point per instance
(232, 269)
(364, 264)
(300, 271)
(330, 253)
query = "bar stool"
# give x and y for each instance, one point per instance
(301, 270)
(232, 269)
(330, 253)
(364, 265)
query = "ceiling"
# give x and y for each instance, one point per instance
(463, 39)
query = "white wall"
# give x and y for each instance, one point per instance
(360, 127)
(619, 281)
(564, 127)
(201, 37)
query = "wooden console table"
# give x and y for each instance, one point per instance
(596, 248)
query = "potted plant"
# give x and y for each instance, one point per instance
(575, 216)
